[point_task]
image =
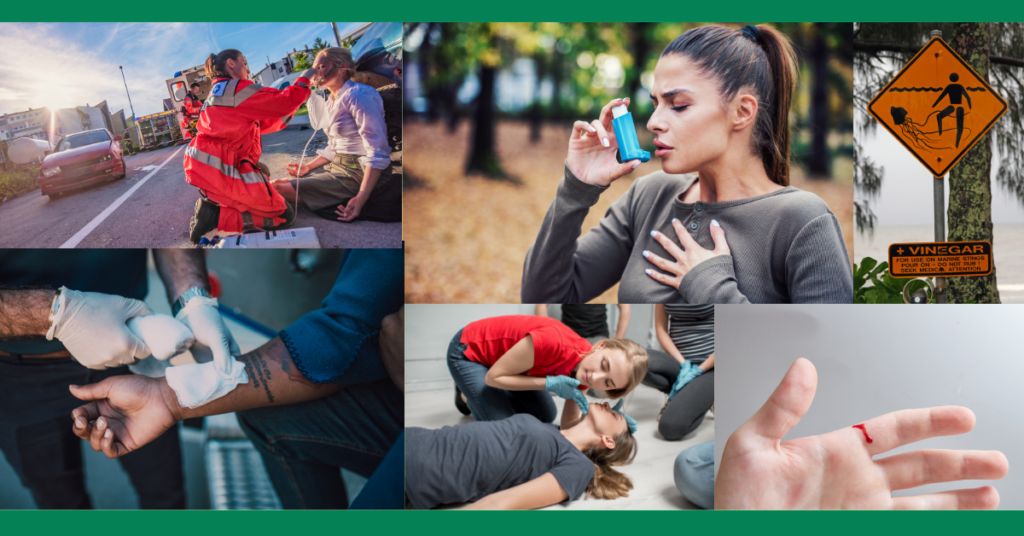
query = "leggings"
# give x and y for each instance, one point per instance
(686, 410)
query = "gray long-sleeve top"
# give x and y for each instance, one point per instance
(787, 247)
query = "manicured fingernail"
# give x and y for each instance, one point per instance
(654, 234)
(674, 220)
(592, 129)
(648, 272)
(647, 254)
(715, 223)
(107, 434)
(605, 142)
(636, 165)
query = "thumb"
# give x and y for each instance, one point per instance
(788, 404)
(718, 235)
(92, 391)
(627, 167)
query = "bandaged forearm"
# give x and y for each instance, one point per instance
(274, 380)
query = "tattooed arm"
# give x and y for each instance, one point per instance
(134, 410)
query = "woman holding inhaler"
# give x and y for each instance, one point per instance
(360, 183)
(505, 364)
(223, 160)
(721, 123)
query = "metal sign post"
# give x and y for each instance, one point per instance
(940, 217)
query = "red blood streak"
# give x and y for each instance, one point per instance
(862, 429)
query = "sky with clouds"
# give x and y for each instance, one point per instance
(72, 64)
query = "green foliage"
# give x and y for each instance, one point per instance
(884, 288)
(18, 181)
(305, 61)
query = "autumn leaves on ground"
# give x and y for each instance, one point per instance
(466, 237)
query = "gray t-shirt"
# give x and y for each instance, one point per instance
(787, 247)
(465, 463)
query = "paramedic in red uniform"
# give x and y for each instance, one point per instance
(190, 110)
(223, 159)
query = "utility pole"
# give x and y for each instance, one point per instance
(337, 34)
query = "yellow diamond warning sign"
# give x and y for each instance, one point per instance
(938, 107)
(940, 259)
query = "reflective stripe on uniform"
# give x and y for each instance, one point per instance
(268, 223)
(229, 98)
(287, 120)
(218, 164)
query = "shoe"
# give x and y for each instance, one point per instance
(461, 404)
(663, 408)
(205, 220)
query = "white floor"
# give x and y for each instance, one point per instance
(651, 470)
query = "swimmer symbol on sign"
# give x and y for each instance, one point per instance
(907, 104)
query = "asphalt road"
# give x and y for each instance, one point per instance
(157, 213)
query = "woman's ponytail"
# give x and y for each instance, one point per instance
(609, 483)
(756, 57)
(216, 64)
(782, 63)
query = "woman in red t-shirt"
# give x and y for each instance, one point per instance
(504, 365)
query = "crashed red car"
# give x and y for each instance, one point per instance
(81, 159)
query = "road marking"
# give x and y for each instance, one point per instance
(80, 235)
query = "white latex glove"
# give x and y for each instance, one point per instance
(213, 340)
(93, 327)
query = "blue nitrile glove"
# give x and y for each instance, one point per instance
(629, 420)
(567, 388)
(687, 373)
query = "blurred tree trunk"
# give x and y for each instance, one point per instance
(818, 160)
(483, 158)
(970, 190)
(641, 47)
(536, 110)
(426, 60)
(557, 71)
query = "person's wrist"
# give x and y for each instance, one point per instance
(170, 399)
(183, 300)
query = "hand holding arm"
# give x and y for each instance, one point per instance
(836, 470)
(137, 409)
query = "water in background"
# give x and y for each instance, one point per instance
(1007, 246)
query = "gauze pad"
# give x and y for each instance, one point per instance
(198, 384)
(165, 336)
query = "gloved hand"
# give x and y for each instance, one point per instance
(567, 388)
(687, 372)
(93, 327)
(629, 420)
(213, 340)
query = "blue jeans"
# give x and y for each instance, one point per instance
(695, 474)
(489, 403)
(305, 445)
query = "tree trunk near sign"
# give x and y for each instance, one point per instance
(970, 188)
(818, 160)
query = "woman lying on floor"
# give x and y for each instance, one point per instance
(519, 463)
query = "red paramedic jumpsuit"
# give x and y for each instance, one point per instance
(221, 160)
(190, 110)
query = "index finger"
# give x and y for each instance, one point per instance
(899, 428)
(684, 236)
(606, 112)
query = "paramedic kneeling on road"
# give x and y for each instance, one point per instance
(223, 159)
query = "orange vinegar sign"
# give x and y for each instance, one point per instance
(940, 259)
(938, 107)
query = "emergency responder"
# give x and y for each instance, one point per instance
(223, 160)
(190, 111)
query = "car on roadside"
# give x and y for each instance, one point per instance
(81, 159)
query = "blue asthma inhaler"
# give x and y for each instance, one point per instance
(625, 135)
